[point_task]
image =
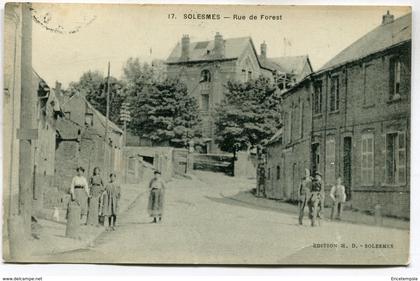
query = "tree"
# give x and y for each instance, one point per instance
(138, 75)
(164, 113)
(248, 114)
(93, 86)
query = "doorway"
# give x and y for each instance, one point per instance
(314, 157)
(347, 173)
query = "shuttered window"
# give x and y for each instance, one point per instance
(396, 158)
(367, 165)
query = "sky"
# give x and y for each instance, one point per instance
(70, 39)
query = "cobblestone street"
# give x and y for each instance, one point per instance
(203, 224)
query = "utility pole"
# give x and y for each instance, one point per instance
(19, 224)
(106, 164)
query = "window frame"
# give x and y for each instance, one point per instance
(334, 100)
(396, 154)
(317, 100)
(367, 179)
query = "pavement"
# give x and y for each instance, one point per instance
(204, 223)
(51, 233)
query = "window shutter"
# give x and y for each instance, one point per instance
(402, 158)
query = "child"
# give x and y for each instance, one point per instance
(338, 195)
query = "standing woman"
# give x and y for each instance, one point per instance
(157, 189)
(110, 202)
(96, 189)
(79, 191)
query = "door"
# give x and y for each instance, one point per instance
(315, 157)
(347, 174)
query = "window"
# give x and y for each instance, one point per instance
(300, 119)
(334, 94)
(268, 173)
(330, 161)
(367, 159)
(205, 102)
(249, 75)
(317, 107)
(278, 172)
(244, 78)
(89, 119)
(395, 78)
(205, 76)
(289, 126)
(395, 158)
(67, 115)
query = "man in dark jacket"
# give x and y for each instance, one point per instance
(316, 199)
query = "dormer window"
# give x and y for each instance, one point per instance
(205, 76)
(89, 119)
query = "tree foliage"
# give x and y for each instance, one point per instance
(248, 114)
(93, 86)
(164, 113)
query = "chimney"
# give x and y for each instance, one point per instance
(185, 47)
(263, 50)
(387, 18)
(219, 46)
(57, 89)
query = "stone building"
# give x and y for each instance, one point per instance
(206, 66)
(287, 152)
(359, 122)
(81, 142)
(47, 108)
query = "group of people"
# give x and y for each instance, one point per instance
(99, 202)
(312, 195)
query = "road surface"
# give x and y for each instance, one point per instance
(203, 225)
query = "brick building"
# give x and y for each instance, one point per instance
(206, 66)
(359, 125)
(81, 142)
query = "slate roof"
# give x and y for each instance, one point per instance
(379, 39)
(292, 64)
(102, 118)
(203, 50)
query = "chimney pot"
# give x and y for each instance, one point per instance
(387, 18)
(263, 50)
(219, 46)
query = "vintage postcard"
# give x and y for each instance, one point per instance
(205, 134)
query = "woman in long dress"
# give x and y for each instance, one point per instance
(79, 191)
(156, 197)
(110, 202)
(96, 189)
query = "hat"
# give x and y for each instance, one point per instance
(318, 173)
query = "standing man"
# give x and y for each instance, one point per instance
(316, 200)
(338, 195)
(304, 194)
(157, 190)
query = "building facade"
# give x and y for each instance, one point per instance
(360, 121)
(206, 66)
(82, 140)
